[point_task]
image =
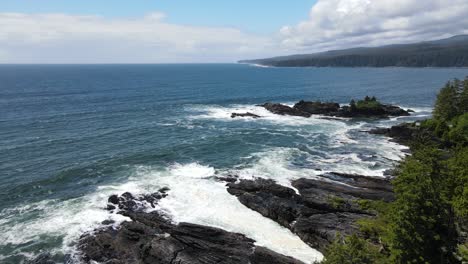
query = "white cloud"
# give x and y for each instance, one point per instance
(348, 23)
(333, 24)
(61, 38)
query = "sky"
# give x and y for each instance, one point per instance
(187, 31)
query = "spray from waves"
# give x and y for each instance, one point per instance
(194, 197)
(54, 220)
(223, 113)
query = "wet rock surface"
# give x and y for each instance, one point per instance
(281, 109)
(320, 210)
(402, 133)
(407, 133)
(151, 237)
(331, 109)
(317, 108)
(247, 114)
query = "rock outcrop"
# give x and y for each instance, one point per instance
(306, 109)
(322, 209)
(247, 114)
(317, 108)
(407, 133)
(281, 109)
(152, 238)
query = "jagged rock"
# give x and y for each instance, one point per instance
(128, 202)
(152, 238)
(402, 133)
(320, 210)
(227, 178)
(248, 114)
(330, 109)
(281, 109)
(317, 108)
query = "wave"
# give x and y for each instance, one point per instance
(314, 146)
(223, 113)
(194, 197)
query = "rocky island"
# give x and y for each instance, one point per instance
(369, 107)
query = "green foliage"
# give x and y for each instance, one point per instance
(458, 172)
(438, 127)
(452, 100)
(463, 252)
(367, 105)
(422, 227)
(352, 106)
(375, 229)
(463, 97)
(459, 131)
(446, 107)
(336, 202)
(353, 250)
(423, 224)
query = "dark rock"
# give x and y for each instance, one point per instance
(393, 110)
(378, 112)
(320, 210)
(402, 133)
(108, 222)
(263, 255)
(248, 114)
(113, 199)
(306, 109)
(317, 108)
(128, 202)
(153, 238)
(164, 190)
(367, 182)
(227, 178)
(281, 109)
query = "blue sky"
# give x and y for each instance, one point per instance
(259, 16)
(177, 31)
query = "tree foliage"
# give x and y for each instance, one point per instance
(426, 221)
(353, 250)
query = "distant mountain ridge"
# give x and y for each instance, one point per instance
(449, 52)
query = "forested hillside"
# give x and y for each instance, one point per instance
(451, 52)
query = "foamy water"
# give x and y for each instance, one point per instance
(196, 197)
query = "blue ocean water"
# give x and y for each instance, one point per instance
(70, 135)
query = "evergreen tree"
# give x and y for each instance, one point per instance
(352, 106)
(422, 225)
(353, 250)
(445, 107)
(463, 100)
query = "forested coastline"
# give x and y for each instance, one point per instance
(427, 222)
(451, 52)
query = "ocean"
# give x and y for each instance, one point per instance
(71, 135)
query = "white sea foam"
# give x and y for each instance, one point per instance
(193, 197)
(196, 199)
(67, 219)
(223, 113)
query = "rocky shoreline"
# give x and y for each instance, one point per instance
(317, 210)
(320, 210)
(151, 237)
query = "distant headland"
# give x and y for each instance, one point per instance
(450, 52)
